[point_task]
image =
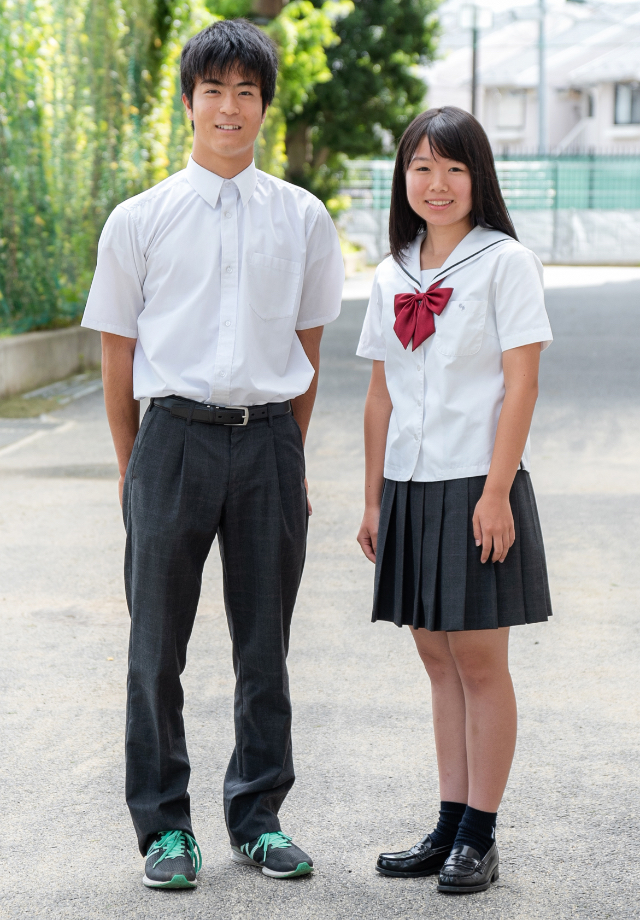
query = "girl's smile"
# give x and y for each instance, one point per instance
(439, 205)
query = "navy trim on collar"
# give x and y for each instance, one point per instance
(443, 272)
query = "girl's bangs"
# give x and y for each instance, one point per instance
(444, 141)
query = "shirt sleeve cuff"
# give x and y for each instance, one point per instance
(320, 321)
(542, 335)
(375, 354)
(109, 327)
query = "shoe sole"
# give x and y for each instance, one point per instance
(422, 874)
(471, 889)
(301, 869)
(178, 881)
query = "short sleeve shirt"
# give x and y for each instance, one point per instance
(448, 393)
(213, 277)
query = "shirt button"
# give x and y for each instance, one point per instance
(228, 322)
(227, 213)
(417, 437)
(229, 269)
(222, 374)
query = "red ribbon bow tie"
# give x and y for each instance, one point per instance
(414, 313)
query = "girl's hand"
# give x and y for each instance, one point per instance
(493, 526)
(368, 533)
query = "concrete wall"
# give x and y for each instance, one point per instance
(568, 236)
(565, 236)
(36, 358)
(367, 228)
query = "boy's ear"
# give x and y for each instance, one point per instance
(188, 107)
(264, 114)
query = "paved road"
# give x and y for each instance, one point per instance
(365, 759)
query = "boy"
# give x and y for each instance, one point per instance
(211, 292)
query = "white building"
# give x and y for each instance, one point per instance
(571, 208)
(593, 73)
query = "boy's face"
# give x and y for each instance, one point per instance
(226, 112)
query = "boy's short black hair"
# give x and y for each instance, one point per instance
(227, 44)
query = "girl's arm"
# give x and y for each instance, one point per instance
(377, 412)
(493, 519)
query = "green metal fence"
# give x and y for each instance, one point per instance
(603, 182)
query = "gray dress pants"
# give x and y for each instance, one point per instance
(185, 483)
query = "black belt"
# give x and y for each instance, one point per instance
(219, 415)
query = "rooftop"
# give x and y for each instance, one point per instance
(586, 43)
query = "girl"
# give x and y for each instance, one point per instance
(455, 326)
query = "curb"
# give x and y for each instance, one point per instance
(36, 358)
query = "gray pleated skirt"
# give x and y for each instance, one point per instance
(428, 569)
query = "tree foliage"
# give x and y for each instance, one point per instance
(303, 33)
(90, 114)
(373, 94)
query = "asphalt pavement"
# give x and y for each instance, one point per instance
(569, 825)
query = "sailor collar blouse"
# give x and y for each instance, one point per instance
(448, 393)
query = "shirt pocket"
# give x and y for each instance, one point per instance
(460, 327)
(273, 285)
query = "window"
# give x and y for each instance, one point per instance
(627, 104)
(511, 108)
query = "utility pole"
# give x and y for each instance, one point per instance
(474, 18)
(474, 61)
(543, 139)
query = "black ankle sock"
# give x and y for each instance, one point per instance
(477, 829)
(450, 817)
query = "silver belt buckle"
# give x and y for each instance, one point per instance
(245, 420)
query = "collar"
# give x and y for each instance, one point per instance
(470, 247)
(209, 184)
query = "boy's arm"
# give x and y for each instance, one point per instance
(302, 405)
(123, 411)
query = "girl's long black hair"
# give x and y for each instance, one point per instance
(456, 135)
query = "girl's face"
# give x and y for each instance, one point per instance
(438, 189)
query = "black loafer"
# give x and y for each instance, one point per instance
(464, 871)
(420, 860)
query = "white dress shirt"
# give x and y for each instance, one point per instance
(213, 277)
(448, 393)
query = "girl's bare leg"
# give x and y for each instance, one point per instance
(448, 703)
(482, 661)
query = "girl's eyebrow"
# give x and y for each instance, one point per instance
(432, 160)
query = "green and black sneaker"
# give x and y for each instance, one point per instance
(172, 861)
(275, 854)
